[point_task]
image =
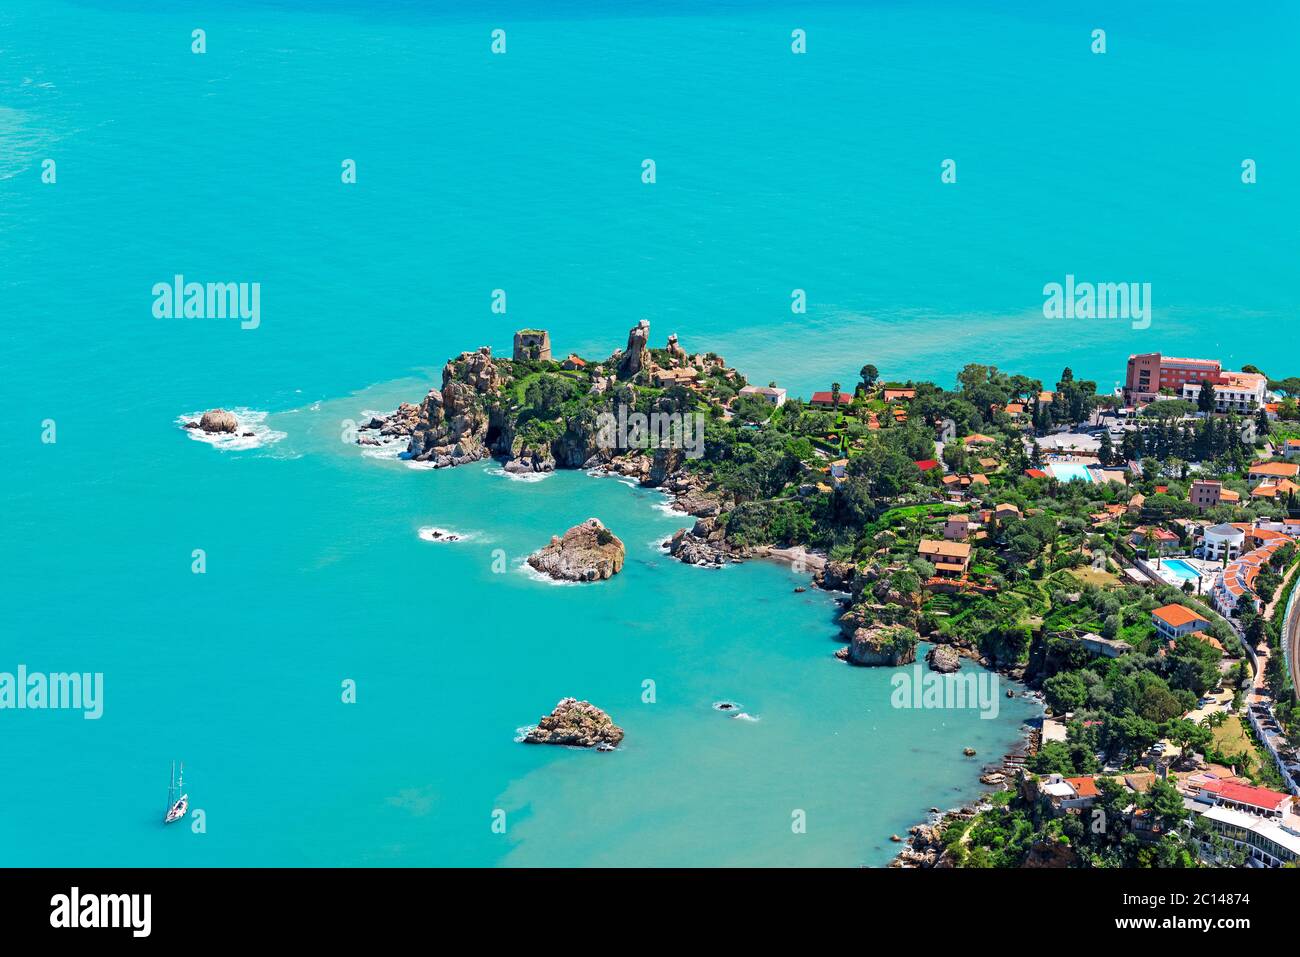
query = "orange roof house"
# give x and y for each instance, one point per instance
(1274, 489)
(1273, 470)
(1174, 621)
(1084, 787)
(949, 558)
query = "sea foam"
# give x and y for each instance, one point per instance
(249, 421)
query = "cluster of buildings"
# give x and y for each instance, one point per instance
(1257, 820)
(1239, 574)
(1151, 376)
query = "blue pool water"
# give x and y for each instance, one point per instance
(1181, 568)
(1070, 472)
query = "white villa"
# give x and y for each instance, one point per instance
(771, 393)
(1222, 542)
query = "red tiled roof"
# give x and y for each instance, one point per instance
(1246, 794)
(926, 464)
(1035, 473)
(826, 398)
(1084, 787)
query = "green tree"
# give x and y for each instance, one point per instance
(1205, 398)
(1065, 692)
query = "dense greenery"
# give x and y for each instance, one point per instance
(867, 479)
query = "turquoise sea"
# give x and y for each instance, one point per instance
(523, 172)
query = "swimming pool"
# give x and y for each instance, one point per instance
(1070, 472)
(1181, 568)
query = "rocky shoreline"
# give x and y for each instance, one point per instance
(924, 848)
(473, 417)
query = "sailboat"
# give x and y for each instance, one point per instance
(176, 807)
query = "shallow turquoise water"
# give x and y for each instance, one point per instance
(522, 172)
(316, 574)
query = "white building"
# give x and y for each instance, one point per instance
(1222, 541)
(1233, 391)
(771, 393)
(1269, 843)
(1174, 621)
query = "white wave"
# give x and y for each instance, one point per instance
(432, 533)
(249, 420)
(669, 508)
(746, 716)
(542, 577)
(521, 733)
(601, 472)
(521, 476)
(388, 451)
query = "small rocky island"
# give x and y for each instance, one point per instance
(943, 659)
(585, 553)
(578, 724)
(215, 421)
(890, 645)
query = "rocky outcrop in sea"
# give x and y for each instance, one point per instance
(890, 645)
(944, 659)
(578, 724)
(450, 426)
(216, 421)
(585, 553)
(703, 544)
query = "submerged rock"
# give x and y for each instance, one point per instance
(585, 553)
(576, 723)
(219, 420)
